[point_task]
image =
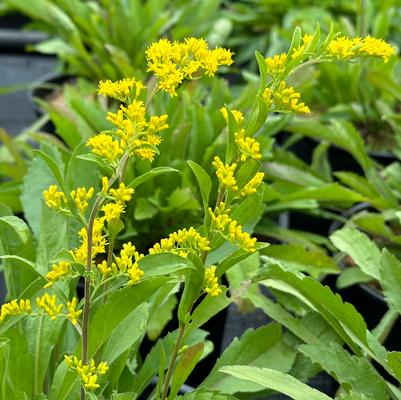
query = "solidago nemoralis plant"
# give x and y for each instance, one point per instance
(191, 255)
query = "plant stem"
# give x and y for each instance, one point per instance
(87, 289)
(37, 357)
(173, 359)
(109, 260)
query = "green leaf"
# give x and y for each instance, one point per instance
(184, 367)
(390, 273)
(275, 380)
(119, 306)
(262, 347)
(394, 362)
(236, 257)
(343, 317)
(162, 264)
(201, 394)
(347, 369)
(144, 209)
(360, 248)
(205, 186)
(127, 333)
(150, 175)
(15, 238)
(4, 362)
(297, 258)
(153, 360)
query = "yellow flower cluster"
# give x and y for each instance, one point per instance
(15, 308)
(81, 197)
(87, 372)
(112, 211)
(98, 242)
(252, 185)
(104, 146)
(56, 199)
(60, 270)
(172, 62)
(238, 116)
(46, 303)
(298, 52)
(230, 228)
(133, 133)
(73, 313)
(122, 194)
(225, 174)
(181, 242)
(122, 89)
(126, 264)
(276, 64)
(345, 48)
(211, 285)
(248, 147)
(285, 99)
(49, 305)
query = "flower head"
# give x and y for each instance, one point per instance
(211, 285)
(225, 173)
(60, 270)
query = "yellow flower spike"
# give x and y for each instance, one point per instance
(53, 197)
(121, 89)
(81, 197)
(60, 270)
(89, 381)
(276, 64)
(98, 242)
(157, 123)
(112, 211)
(342, 48)
(104, 146)
(181, 241)
(225, 174)
(15, 308)
(69, 361)
(123, 194)
(230, 228)
(252, 185)
(49, 305)
(102, 368)
(371, 46)
(211, 285)
(286, 100)
(73, 313)
(134, 274)
(145, 153)
(249, 147)
(104, 269)
(105, 185)
(238, 116)
(171, 62)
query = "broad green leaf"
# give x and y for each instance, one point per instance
(162, 264)
(347, 369)
(360, 248)
(296, 257)
(183, 368)
(4, 362)
(205, 186)
(262, 347)
(394, 362)
(118, 307)
(390, 273)
(20, 372)
(201, 394)
(343, 317)
(130, 330)
(275, 380)
(149, 175)
(15, 238)
(150, 366)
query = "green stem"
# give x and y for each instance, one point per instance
(36, 389)
(383, 329)
(173, 360)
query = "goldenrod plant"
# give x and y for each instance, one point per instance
(55, 345)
